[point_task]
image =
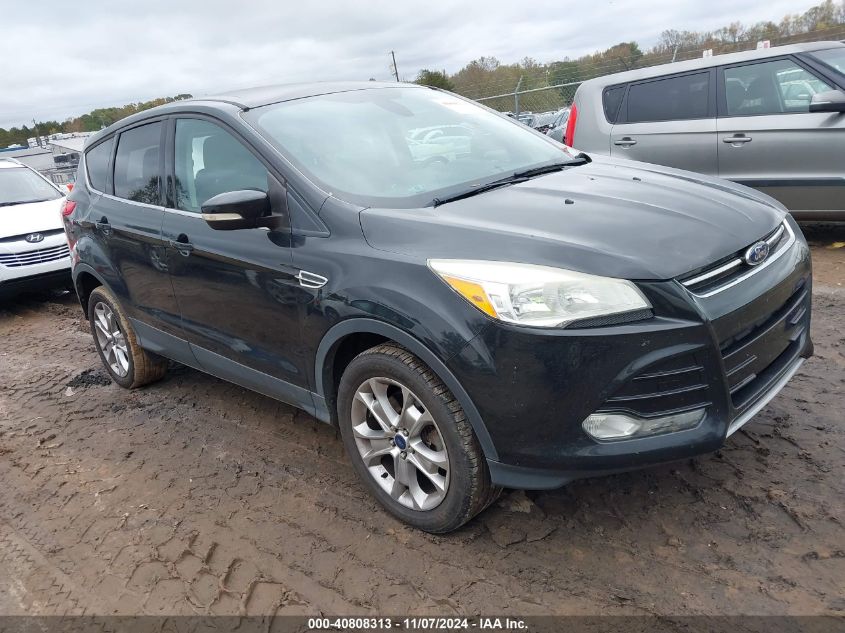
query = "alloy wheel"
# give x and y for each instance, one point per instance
(111, 339)
(400, 443)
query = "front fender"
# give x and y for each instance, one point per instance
(338, 332)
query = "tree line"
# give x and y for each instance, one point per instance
(90, 122)
(487, 76)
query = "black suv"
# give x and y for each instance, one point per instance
(475, 308)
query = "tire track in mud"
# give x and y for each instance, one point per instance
(33, 584)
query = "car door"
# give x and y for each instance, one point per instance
(669, 121)
(236, 289)
(126, 222)
(769, 139)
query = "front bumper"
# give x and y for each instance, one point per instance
(28, 267)
(730, 353)
(42, 281)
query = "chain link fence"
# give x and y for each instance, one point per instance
(546, 99)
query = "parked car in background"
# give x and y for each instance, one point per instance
(520, 317)
(33, 248)
(772, 119)
(439, 143)
(558, 126)
(543, 121)
(526, 118)
(797, 93)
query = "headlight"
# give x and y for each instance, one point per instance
(539, 296)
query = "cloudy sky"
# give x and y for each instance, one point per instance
(59, 59)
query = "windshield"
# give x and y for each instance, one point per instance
(399, 147)
(833, 57)
(19, 185)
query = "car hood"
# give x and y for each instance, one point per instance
(609, 217)
(33, 217)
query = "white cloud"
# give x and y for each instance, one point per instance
(61, 60)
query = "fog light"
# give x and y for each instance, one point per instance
(619, 426)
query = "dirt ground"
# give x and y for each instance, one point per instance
(195, 496)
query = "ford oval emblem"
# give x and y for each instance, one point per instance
(34, 238)
(756, 253)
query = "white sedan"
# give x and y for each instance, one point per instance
(34, 251)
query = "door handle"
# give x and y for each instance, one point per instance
(182, 245)
(737, 139)
(103, 226)
(625, 141)
(311, 280)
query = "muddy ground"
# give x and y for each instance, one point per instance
(196, 496)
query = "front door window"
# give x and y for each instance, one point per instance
(210, 161)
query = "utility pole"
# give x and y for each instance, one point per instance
(395, 69)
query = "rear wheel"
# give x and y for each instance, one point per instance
(128, 364)
(410, 442)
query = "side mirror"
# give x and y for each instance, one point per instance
(236, 210)
(830, 101)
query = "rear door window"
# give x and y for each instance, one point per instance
(97, 164)
(137, 169)
(670, 99)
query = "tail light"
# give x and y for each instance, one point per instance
(69, 207)
(569, 135)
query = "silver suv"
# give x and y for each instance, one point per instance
(773, 119)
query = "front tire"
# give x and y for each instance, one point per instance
(128, 364)
(410, 442)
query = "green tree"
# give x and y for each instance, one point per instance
(435, 79)
(624, 56)
(564, 72)
(476, 77)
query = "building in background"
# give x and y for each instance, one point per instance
(56, 156)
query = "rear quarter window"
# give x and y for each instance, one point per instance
(612, 99)
(97, 164)
(670, 99)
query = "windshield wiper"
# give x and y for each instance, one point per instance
(517, 177)
(580, 159)
(510, 180)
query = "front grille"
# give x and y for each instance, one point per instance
(670, 386)
(22, 236)
(731, 270)
(756, 355)
(39, 256)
